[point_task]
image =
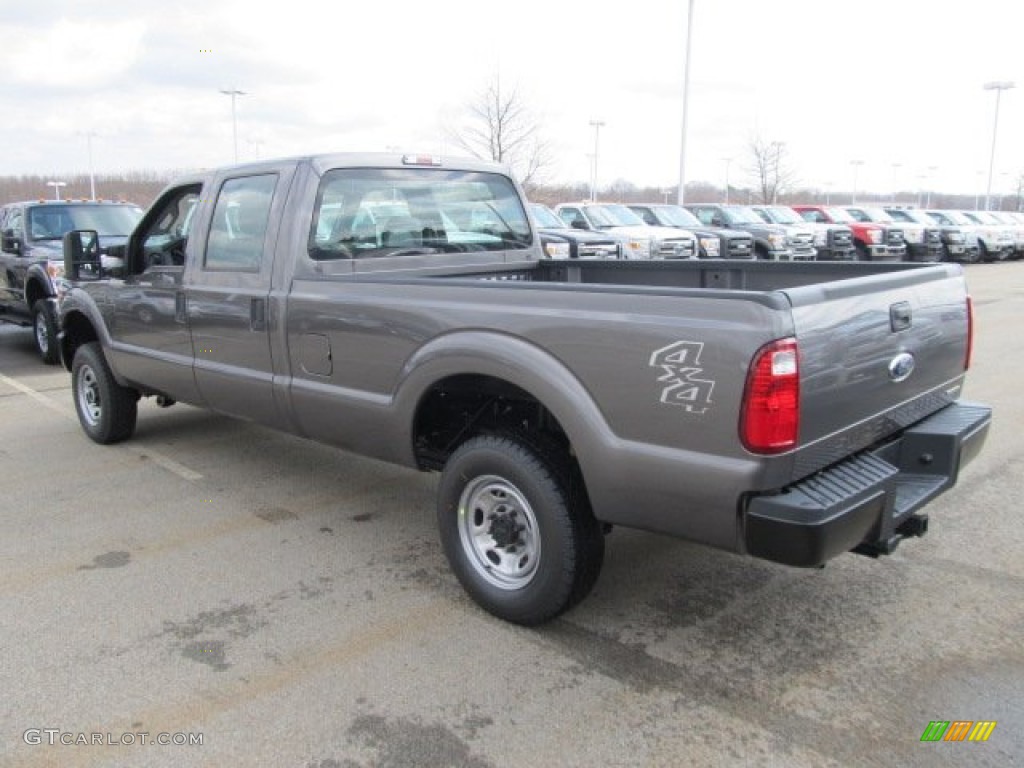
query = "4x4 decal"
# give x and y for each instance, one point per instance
(680, 363)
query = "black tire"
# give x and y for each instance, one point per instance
(517, 528)
(862, 253)
(983, 252)
(44, 331)
(106, 410)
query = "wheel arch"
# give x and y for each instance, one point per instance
(77, 328)
(484, 381)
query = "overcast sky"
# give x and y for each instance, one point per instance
(883, 82)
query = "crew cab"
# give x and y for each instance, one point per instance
(874, 242)
(32, 261)
(772, 242)
(562, 242)
(644, 241)
(959, 243)
(924, 242)
(714, 242)
(400, 307)
(832, 242)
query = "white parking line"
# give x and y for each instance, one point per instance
(156, 457)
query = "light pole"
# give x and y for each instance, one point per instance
(856, 166)
(931, 183)
(92, 178)
(998, 86)
(728, 162)
(598, 124)
(233, 92)
(56, 188)
(686, 102)
(895, 180)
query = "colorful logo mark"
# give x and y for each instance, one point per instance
(958, 730)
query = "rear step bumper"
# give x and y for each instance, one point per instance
(869, 502)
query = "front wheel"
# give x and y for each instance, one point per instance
(517, 528)
(44, 325)
(106, 410)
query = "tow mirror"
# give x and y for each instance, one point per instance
(10, 242)
(82, 254)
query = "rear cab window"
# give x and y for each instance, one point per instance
(364, 213)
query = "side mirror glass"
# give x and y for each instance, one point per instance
(10, 243)
(82, 254)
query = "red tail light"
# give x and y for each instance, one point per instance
(970, 334)
(770, 416)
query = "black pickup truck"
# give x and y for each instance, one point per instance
(401, 308)
(32, 261)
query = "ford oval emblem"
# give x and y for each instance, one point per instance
(901, 366)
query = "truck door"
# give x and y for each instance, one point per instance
(227, 292)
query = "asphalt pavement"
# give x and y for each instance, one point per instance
(254, 599)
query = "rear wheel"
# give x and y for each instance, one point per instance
(44, 326)
(517, 528)
(106, 410)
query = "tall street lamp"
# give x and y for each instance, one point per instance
(931, 183)
(234, 92)
(92, 177)
(598, 124)
(728, 162)
(998, 86)
(895, 180)
(56, 188)
(856, 166)
(686, 102)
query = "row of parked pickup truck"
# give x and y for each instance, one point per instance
(777, 232)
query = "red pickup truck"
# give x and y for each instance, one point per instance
(874, 242)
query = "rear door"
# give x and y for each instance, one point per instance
(227, 292)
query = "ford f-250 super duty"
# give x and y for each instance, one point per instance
(400, 308)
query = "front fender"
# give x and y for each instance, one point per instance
(80, 320)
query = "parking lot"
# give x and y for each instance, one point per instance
(287, 604)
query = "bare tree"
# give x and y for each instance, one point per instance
(500, 127)
(770, 168)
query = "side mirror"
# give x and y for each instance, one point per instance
(10, 243)
(82, 254)
(579, 224)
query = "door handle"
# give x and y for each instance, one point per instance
(258, 314)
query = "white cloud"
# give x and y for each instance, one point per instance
(71, 54)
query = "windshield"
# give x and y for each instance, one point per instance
(877, 214)
(951, 217)
(52, 222)
(545, 217)
(622, 216)
(840, 216)
(980, 217)
(780, 214)
(676, 216)
(741, 215)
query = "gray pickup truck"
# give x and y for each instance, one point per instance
(401, 308)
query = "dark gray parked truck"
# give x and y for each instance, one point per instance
(32, 262)
(715, 242)
(772, 242)
(401, 308)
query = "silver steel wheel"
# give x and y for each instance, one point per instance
(42, 333)
(499, 532)
(88, 394)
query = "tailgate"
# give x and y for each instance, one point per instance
(877, 354)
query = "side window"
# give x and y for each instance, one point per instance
(705, 215)
(163, 240)
(240, 223)
(570, 215)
